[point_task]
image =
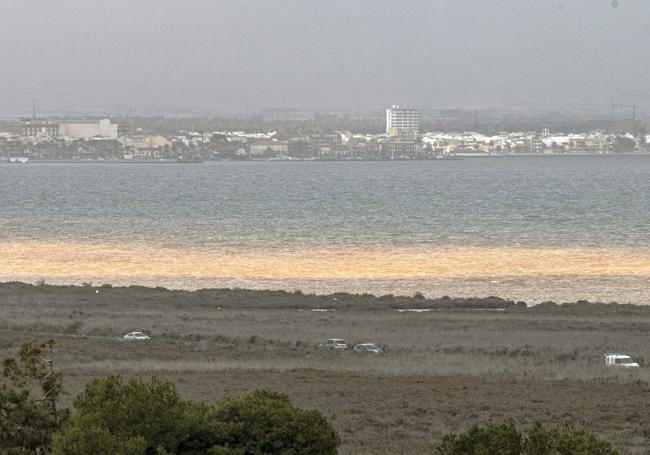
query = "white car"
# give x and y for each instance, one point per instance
(136, 336)
(620, 360)
(334, 343)
(367, 347)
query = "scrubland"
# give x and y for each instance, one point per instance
(465, 361)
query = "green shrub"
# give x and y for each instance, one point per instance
(86, 435)
(149, 417)
(26, 425)
(505, 439)
(264, 422)
(137, 417)
(566, 440)
(29, 418)
(493, 439)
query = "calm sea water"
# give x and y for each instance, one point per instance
(528, 227)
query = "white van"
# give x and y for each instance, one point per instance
(620, 360)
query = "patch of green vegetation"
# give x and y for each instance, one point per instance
(27, 422)
(506, 439)
(147, 417)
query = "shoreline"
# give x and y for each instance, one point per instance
(460, 157)
(338, 301)
(534, 291)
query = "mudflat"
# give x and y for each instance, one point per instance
(452, 363)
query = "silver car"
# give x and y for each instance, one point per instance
(367, 347)
(136, 336)
(334, 343)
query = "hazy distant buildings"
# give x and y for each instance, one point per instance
(72, 129)
(143, 146)
(402, 121)
(268, 148)
(104, 139)
(86, 129)
(32, 128)
(399, 148)
(323, 144)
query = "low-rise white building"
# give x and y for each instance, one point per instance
(86, 129)
(263, 147)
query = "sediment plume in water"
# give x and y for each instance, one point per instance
(124, 260)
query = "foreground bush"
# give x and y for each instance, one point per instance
(505, 439)
(26, 425)
(126, 418)
(265, 422)
(566, 440)
(137, 418)
(499, 439)
(29, 417)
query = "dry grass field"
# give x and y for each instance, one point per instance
(463, 362)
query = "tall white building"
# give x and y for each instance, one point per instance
(401, 121)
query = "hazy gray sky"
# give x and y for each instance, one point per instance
(220, 54)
